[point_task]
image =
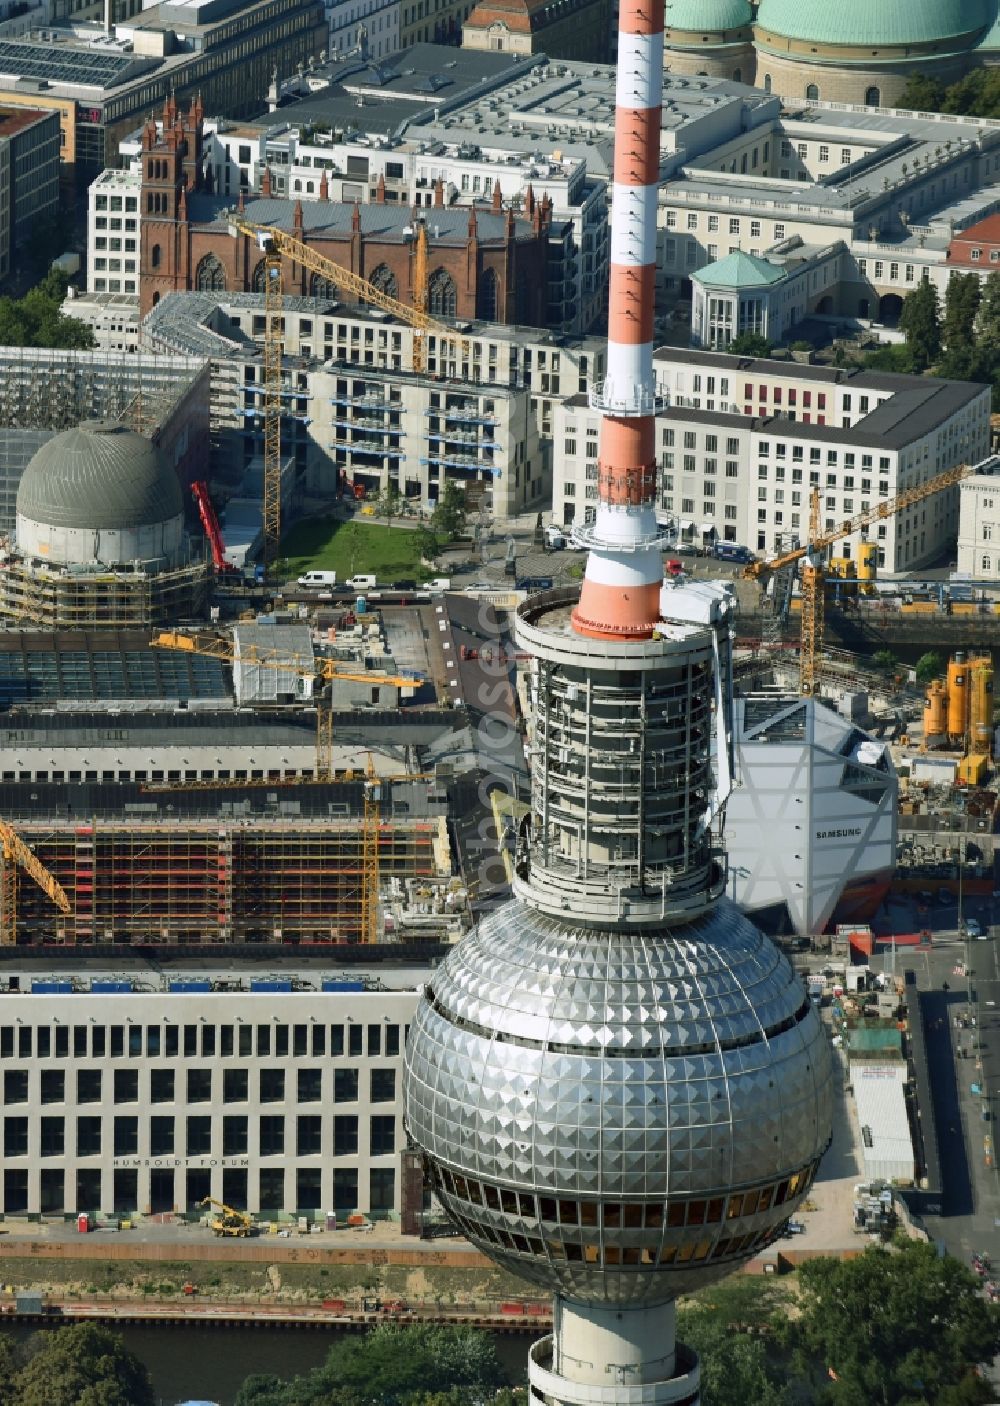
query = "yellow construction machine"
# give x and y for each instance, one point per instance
(228, 1222)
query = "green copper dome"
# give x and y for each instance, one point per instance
(707, 16)
(886, 24)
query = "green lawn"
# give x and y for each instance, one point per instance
(351, 548)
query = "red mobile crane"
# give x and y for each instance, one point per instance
(210, 522)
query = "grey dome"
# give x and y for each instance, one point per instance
(593, 1104)
(99, 475)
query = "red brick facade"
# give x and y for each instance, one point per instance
(492, 265)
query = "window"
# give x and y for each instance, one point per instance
(345, 1085)
(812, 93)
(210, 276)
(126, 1086)
(53, 1086)
(235, 1134)
(310, 1085)
(383, 1085)
(873, 98)
(442, 295)
(127, 1136)
(235, 1085)
(391, 1041)
(308, 1135)
(355, 1042)
(161, 1136)
(88, 1137)
(713, 224)
(824, 154)
(199, 1135)
(272, 1188)
(272, 1085)
(199, 1085)
(161, 1086)
(272, 1134)
(383, 1135)
(734, 225)
(88, 1086)
(15, 1137)
(345, 1135)
(15, 1086)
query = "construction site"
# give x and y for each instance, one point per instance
(200, 882)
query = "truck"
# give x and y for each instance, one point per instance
(817, 990)
(732, 551)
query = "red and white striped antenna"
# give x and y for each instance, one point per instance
(621, 590)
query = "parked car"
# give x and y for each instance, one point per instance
(973, 929)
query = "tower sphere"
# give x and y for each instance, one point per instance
(618, 1117)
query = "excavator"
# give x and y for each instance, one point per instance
(228, 1222)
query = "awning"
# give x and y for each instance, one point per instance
(706, 528)
(686, 526)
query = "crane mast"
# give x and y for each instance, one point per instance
(812, 557)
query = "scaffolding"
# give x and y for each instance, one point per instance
(78, 598)
(215, 882)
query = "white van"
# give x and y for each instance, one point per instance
(361, 583)
(318, 578)
(438, 585)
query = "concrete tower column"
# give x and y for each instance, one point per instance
(604, 1356)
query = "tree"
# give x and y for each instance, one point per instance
(417, 1364)
(884, 659)
(389, 501)
(449, 517)
(922, 94)
(36, 321)
(961, 304)
(920, 320)
(83, 1365)
(900, 1327)
(988, 318)
(750, 344)
(736, 1369)
(929, 666)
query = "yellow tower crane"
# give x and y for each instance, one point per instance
(221, 647)
(276, 245)
(16, 853)
(812, 556)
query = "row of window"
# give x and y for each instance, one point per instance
(200, 1086)
(675, 1214)
(353, 1040)
(45, 1190)
(193, 1135)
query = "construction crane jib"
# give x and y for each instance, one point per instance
(812, 555)
(277, 242)
(17, 854)
(221, 648)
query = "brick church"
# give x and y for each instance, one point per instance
(484, 262)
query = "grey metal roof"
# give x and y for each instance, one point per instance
(446, 224)
(99, 475)
(102, 666)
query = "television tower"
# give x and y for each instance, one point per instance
(619, 1085)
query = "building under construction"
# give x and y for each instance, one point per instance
(236, 867)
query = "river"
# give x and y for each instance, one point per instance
(210, 1364)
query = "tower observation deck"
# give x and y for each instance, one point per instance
(619, 1085)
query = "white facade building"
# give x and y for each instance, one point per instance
(744, 293)
(743, 442)
(147, 1094)
(368, 418)
(979, 523)
(113, 232)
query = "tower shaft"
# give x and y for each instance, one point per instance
(621, 590)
